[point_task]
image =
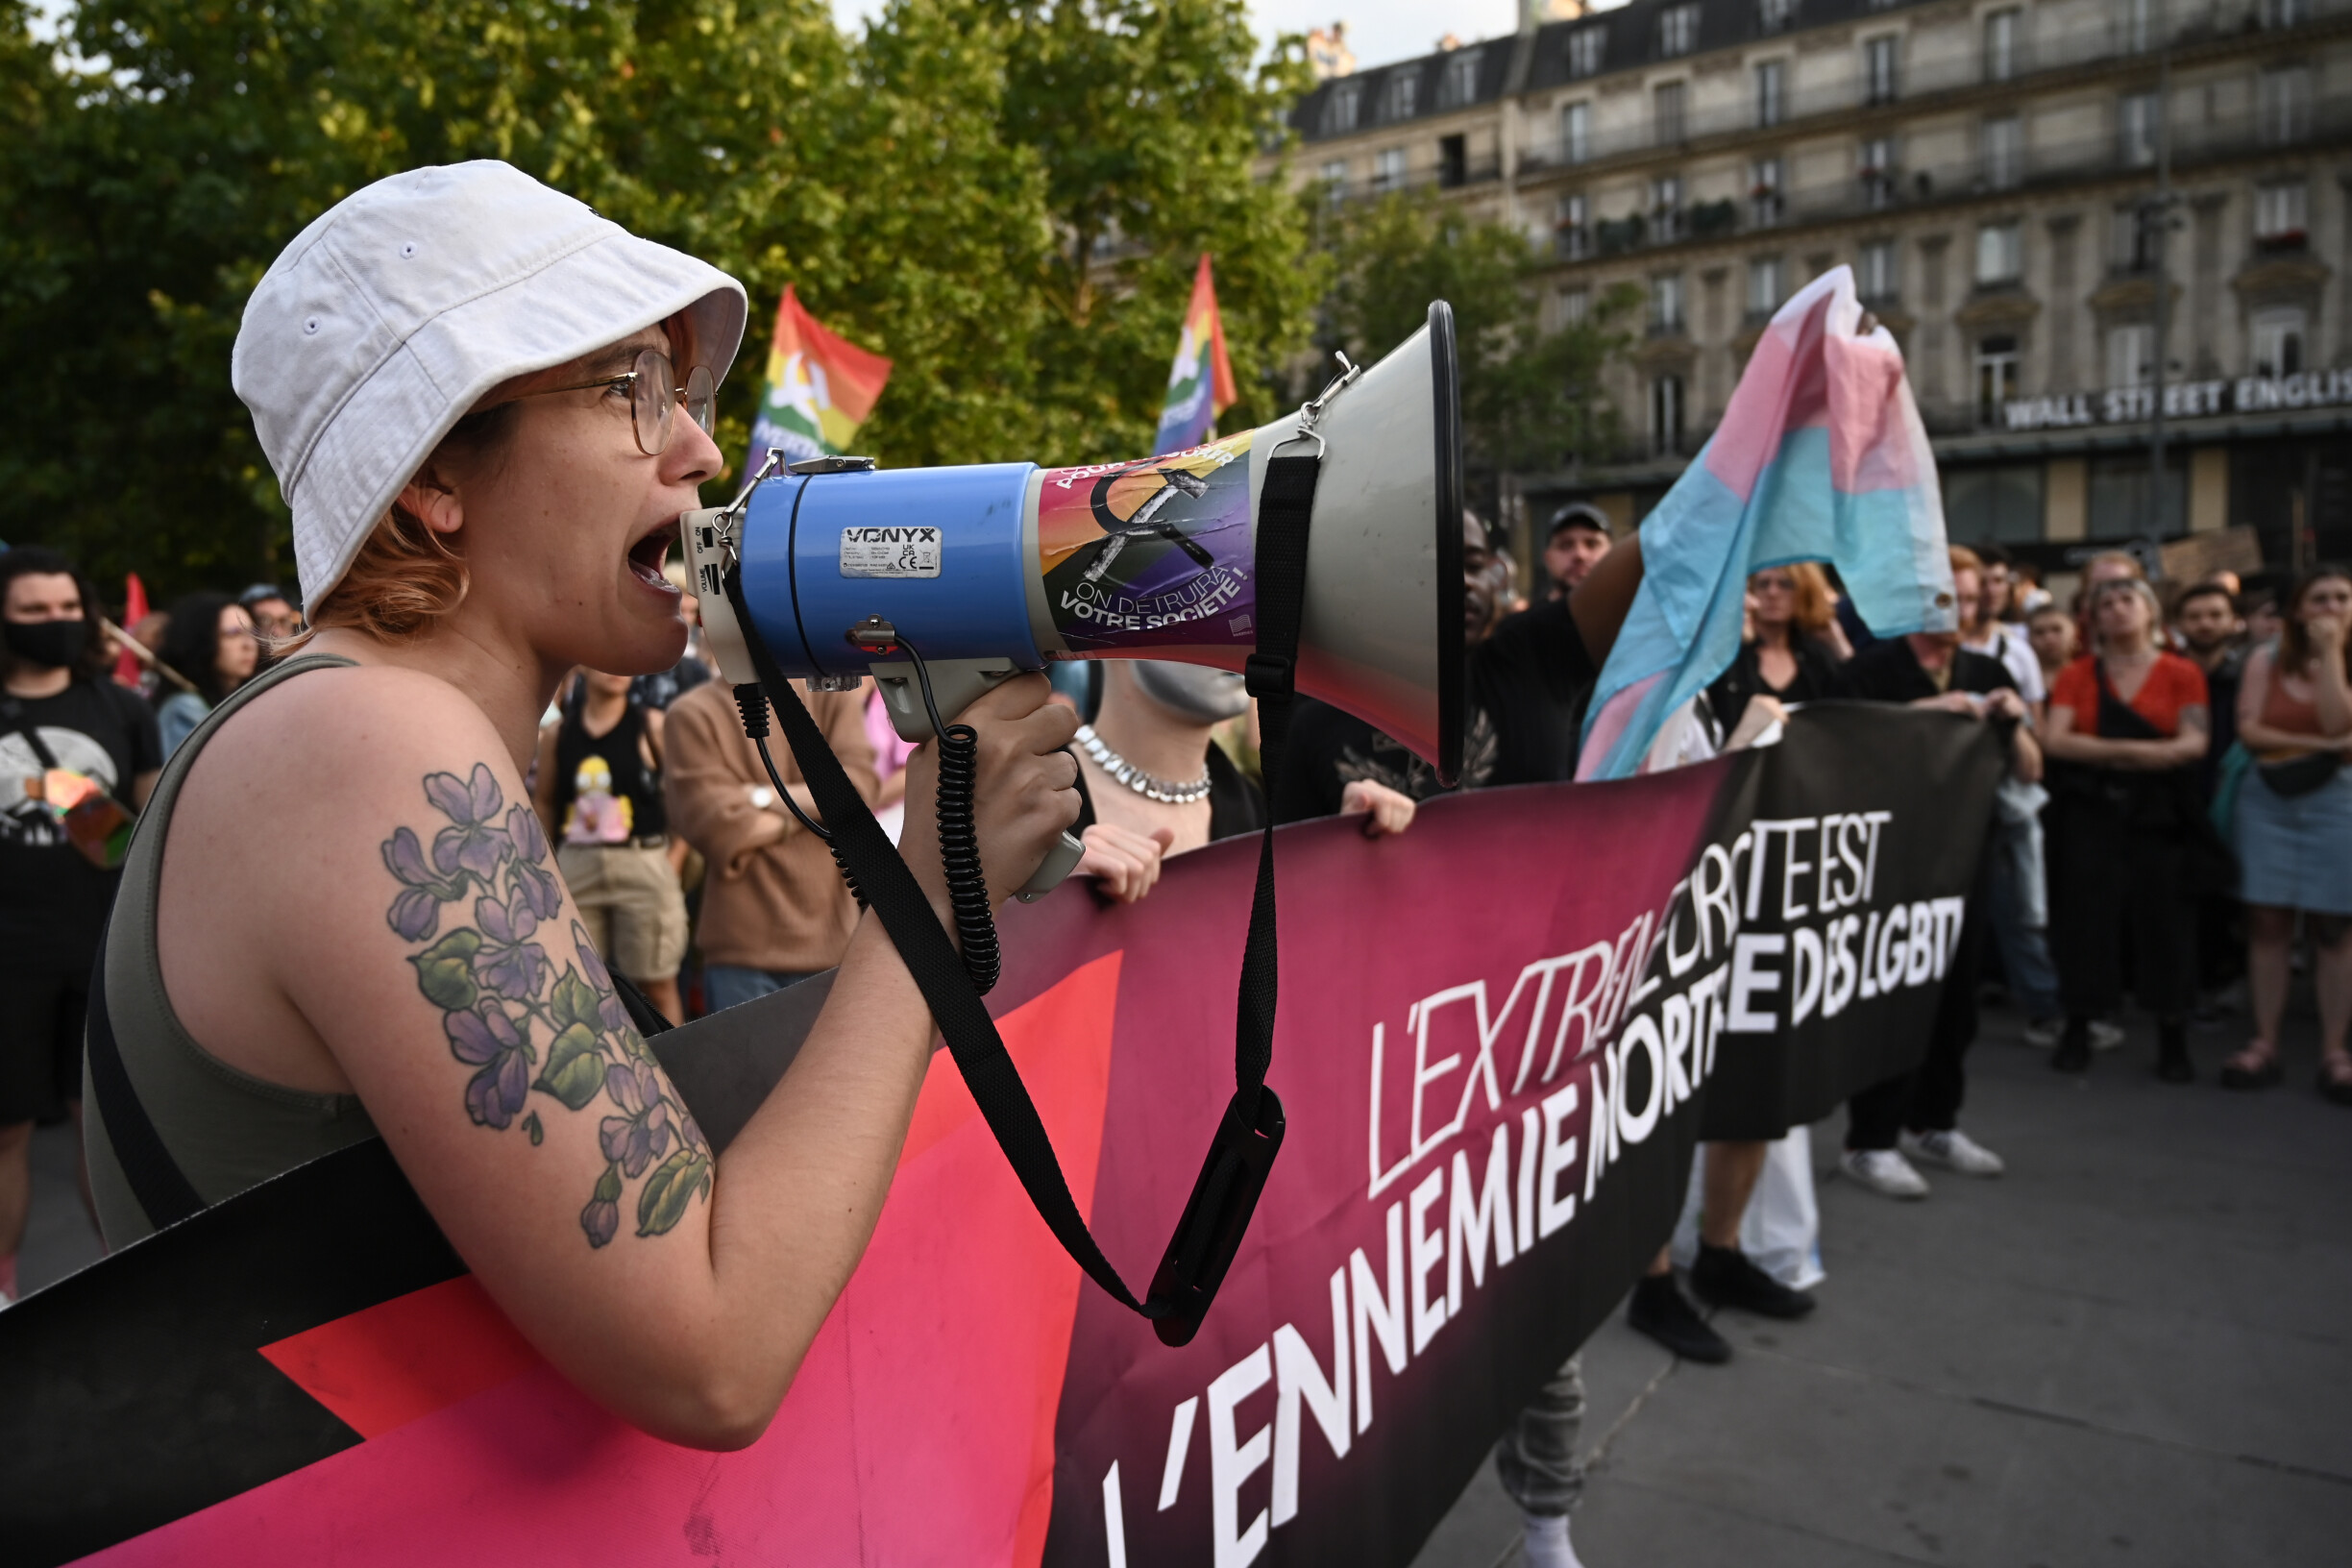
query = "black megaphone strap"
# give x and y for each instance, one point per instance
(1250, 1132)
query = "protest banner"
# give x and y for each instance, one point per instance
(1500, 1034)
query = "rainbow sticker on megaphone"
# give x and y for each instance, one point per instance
(1150, 554)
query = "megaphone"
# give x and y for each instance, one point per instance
(998, 568)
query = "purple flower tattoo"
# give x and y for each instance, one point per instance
(509, 963)
(640, 1136)
(473, 844)
(489, 1040)
(522, 1026)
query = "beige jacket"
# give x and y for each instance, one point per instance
(776, 906)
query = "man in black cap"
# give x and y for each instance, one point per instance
(1574, 542)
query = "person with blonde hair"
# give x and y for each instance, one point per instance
(487, 407)
(2127, 727)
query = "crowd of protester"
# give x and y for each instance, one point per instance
(2175, 821)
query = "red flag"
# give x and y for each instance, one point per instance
(128, 669)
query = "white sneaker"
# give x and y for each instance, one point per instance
(2044, 1034)
(1953, 1150)
(1545, 1541)
(1883, 1170)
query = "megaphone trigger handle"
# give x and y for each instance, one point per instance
(1053, 871)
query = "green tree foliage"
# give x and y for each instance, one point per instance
(936, 188)
(1530, 398)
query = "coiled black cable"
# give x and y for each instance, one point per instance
(959, 770)
(753, 703)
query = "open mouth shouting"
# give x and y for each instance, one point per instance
(646, 555)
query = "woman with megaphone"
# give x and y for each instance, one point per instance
(487, 407)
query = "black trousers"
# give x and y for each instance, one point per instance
(2121, 881)
(1926, 1099)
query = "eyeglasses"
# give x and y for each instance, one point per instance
(652, 395)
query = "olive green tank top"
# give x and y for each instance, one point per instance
(227, 1130)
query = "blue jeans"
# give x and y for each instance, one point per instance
(729, 985)
(2015, 875)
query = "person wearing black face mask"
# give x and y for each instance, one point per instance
(58, 716)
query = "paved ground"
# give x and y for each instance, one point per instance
(2133, 1350)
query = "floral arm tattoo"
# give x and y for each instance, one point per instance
(502, 1001)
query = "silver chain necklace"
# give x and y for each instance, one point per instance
(1136, 778)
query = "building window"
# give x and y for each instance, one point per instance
(1765, 179)
(1879, 84)
(2131, 354)
(2136, 130)
(2128, 236)
(1576, 133)
(1666, 208)
(2124, 503)
(1993, 505)
(1666, 305)
(1776, 16)
(2000, 45)
(1458, 85)
(1404, 96)
(1678, 31)
(2285, 104)
(1335, 179)
(1876, 167)
(1388, 169)
(1574, 228)
(1771, 100)
(1665, 416)
(1584, 46)
(1874, 270)
(2278, 341)
(2004, 152)
(1574, 307)
(2281, 215)
(2285, 13)
(1666, 102)
(1997, 377)
(1452, 160)
(1763, 286)
(2141, 24)
(1339, 108)
(2000, 256)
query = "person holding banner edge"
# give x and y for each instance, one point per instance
(471, 388)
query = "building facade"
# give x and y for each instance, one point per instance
(2002, 175)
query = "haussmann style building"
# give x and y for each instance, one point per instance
(2033, 194)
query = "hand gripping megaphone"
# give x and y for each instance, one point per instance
(1321, 554)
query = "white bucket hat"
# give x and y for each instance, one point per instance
(389, 317)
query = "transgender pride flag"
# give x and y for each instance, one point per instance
(1821, 456)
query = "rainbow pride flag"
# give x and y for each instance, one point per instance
(820, 389)
(1821, 456)
(1201, 383)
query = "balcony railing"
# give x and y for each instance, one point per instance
(1920, 76)
(1899, 186)
(1473, 171)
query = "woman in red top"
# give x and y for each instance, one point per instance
(2128, 726)
(2295, 825)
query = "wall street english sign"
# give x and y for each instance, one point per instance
(1502, 1036)
(2183, 400)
